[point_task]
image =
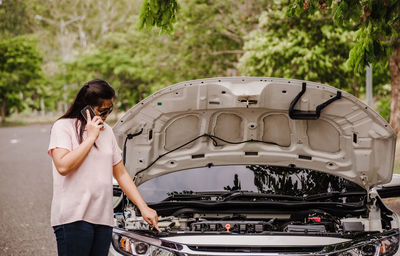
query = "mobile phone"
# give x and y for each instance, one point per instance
(91, 112)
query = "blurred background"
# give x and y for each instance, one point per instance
(49, 49)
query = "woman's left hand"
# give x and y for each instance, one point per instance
(128, 186)
(151, 217)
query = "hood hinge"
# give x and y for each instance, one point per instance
(364, 179)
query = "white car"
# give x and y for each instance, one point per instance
(256, 166)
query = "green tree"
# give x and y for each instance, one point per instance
(15, 18)
(207, 42)
(324, 57)
(158, 13)
(79, 25)
(68, 30)
(209, 37)
(118, 66)
(126, 61)
(309, 48)
(20, 70)
(377, 23)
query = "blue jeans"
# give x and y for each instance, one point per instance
(82, 238)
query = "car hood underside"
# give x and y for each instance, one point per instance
(256, 120)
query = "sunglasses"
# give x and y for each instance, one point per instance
(106, 111)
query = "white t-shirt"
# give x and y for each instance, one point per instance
(87, 192)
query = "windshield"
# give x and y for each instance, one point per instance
(263, 179)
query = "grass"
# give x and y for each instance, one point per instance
(23, 119)
(13, 123)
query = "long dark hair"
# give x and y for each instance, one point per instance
(93, 93)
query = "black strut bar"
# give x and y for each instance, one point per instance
(309, 115)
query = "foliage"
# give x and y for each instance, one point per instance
(381, 79)
(116, 66)
(205, 39)
(158, 13)
(129, 67)
(309, 48)
(15, 17)
(137, 63)
(20, 72)
(209, 36)
(86, 26)
(384, 107)
(377, 23)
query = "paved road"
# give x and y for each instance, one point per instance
(25, 192)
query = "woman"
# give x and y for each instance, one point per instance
(85, 158)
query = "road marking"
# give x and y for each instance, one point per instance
(14, 141)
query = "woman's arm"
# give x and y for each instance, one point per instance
(129, 188)
(65, 160)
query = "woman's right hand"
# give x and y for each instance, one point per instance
(93, 126)
(150, 216)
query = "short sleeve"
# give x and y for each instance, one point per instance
(60, 136)
(116, 151)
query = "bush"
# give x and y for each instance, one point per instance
(383, 107)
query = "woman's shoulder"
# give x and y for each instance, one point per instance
(65, 122)
(108, 128)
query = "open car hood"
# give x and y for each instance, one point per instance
(256, 120)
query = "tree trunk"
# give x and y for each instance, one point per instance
(42, 106)
(394, 66)
(3, 110)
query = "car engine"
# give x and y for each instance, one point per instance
(307, 222)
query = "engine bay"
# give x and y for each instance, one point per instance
(308, 222)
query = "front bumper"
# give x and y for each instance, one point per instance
(383, 244)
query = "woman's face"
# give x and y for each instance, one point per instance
(105, 109)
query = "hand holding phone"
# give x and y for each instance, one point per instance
(84, 113)
(91, 112)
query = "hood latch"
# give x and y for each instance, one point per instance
(249, 100)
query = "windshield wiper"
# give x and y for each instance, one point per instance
(333, 194)
(226, 196)
(250, 195)
(256, 195)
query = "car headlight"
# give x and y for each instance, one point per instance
(128, 245)
(385, 246)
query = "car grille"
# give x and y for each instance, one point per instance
(257, 249)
